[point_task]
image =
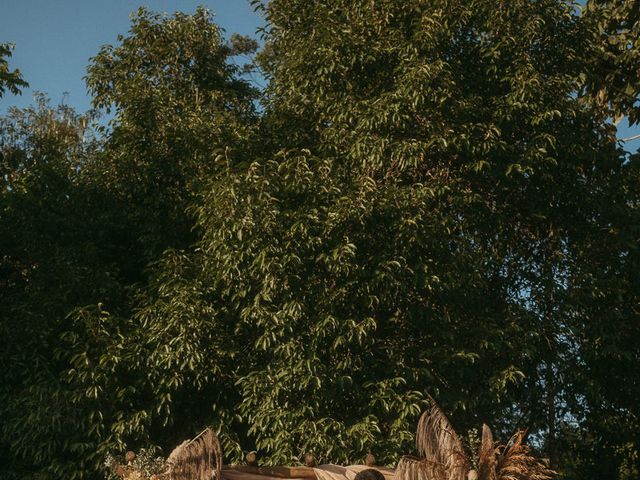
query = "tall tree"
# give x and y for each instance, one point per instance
(431, 202)
(439, 232)
(51, 262)
(180, 110)
(81, 221)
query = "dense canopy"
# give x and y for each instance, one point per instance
(428, 198)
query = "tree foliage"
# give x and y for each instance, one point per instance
(429, 201)
(9, 79)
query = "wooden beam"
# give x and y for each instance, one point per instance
(280, 472)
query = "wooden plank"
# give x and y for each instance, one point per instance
(280, 472)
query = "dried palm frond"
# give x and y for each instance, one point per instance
(515, 462)
(487, 459)
(439, 444)
(197, 459)
(411, 468)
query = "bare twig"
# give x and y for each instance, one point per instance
(628, 139)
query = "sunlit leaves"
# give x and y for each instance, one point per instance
(431, 202)
(9, 79)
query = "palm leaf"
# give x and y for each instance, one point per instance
(198, 459)
(487, 459)
(515, 462)
(411, 468)
(439, 444)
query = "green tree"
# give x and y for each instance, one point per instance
(178, 103)
(441, 228)
(431, 201)
(612, 79)
(9, 80)
(52, 260)
(81, 219)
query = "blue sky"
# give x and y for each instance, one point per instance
(55, 38)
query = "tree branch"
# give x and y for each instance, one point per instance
(628, 139)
